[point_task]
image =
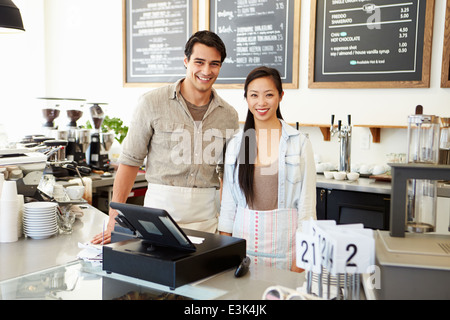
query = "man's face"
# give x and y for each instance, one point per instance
(202, 69)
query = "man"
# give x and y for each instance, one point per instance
(181, 129)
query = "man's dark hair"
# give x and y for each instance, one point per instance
(207, 38)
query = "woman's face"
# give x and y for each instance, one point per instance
(263, 99)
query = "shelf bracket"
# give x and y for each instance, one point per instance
(376, 134)
(326, 133)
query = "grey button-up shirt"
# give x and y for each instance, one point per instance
(179, 151)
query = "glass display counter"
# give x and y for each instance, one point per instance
(79, 280)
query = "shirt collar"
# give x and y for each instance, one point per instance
(175, 90)
(288, 130)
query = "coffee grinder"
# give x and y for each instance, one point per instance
(78, 138)
(50, 111)
(100, 142)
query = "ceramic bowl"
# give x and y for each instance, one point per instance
(352, 176)
(75, 192)
(379, 169)
(328, 174)
(340, 175)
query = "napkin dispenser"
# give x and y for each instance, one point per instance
(163, 253)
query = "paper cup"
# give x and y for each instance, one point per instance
(2, 179)
(8, 221)
(9, 191)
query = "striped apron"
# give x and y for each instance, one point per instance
(270, 235)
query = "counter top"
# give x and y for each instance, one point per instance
(370, 185)
(98, 181)
(360, 185)
(29, 255)
(54, 260)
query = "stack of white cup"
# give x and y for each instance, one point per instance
(9, 211)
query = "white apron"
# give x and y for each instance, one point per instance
(191, 208)
(270, 235)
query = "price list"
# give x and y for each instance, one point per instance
(156, 34)
(255, 32)
(362, 40)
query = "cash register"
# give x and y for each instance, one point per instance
(158, 250)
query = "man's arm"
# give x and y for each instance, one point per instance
(123, 183)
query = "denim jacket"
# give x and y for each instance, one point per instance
(296, 178)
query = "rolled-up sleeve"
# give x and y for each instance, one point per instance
(228, 205)
(136, 143)
(307, 203)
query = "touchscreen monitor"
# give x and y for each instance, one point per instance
(155, 226)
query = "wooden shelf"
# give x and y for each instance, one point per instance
(375, 130)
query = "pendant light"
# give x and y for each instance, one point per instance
(10, 17)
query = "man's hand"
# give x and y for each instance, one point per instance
(102, 238)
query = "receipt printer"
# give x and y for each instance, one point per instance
(160, 251)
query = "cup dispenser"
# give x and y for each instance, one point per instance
(423, 147)
(444, 143)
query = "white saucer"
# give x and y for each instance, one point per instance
(41, 226)
(40, 237)
(42, 211)
(39, 214)
(40, 205)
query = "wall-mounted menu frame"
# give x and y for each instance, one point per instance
(154, 35)
(445, 76)
(256, 33)
(370, 44)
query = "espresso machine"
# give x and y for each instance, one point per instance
(344, 133)
(101, 142)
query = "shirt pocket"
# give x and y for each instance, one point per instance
(293, 169)
(169, 134)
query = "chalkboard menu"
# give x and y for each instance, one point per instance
(256, 33)
(155, 33)
(445, 76)
(370, 43)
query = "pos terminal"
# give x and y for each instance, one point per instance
(160, 251)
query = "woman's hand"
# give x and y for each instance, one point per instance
(294, 268)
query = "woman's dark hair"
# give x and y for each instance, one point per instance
(247, 153)
(207, 38)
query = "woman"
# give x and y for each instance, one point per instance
(270, 178)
